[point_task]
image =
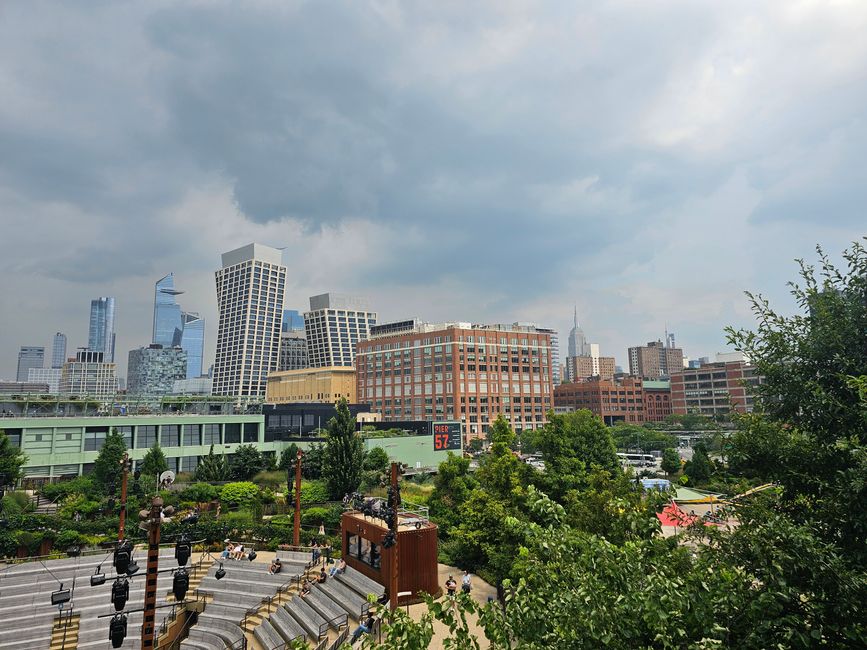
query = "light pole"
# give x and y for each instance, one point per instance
(148, 624)
(296, 536)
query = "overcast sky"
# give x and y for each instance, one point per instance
(487, 162)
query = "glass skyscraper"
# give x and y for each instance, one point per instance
(176, 328)
(168, 323)
(58, 351)
(193, 341)
(30, 356)
(101, 335)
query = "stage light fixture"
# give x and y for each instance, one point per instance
(132, 569)
(117, 630)
(122, 556)
(119, 594)
(183, 550)
(97, 579)
(220, 573)
(251, 556)
(61, 596)
(180, 584)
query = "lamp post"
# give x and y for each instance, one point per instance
(296, 535)
(394, 505)
(152, 521)
(122, 526)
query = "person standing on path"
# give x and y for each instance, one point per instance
(466, 582)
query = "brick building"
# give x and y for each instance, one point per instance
(657, 400)
(655, 360)
(581, 368)
(713, 389)
(457, 372)
(617, 400)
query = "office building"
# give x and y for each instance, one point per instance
(655, 360)
(23, 388)
(614, 400)
(578, 346)
(292, 321)
(29, 356)
(555, 354)
(101, 335)
(293, 351)
(154, 369)
(89, 375)
(58, 351)
(194, 386)
(168, 324)
(250, 289)
(193, 342)
(334, 326)
(593, 365)
(457, 372)
(657, 400)
(47, 376)
(714, 388)
(311, 385)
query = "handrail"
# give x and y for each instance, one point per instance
(340, 640)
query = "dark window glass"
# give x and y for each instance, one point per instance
(146, 436)
(126, 432)
(93, 440)
(251, 432)
(211, 434)
(232, 433)
(170, 435)
(192, 435)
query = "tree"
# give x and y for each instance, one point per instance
(700, 468)
(154, 462)
(247, 461)
(343, 454)
(12, 459)
(239, 493)
(500, 472)
(811, 364)
(213, 468)
(107, 468)
(312, 462)
(572, 443)
(376, 460)
(670, 460)
(287, 457)
(628, 436)
(453, 485)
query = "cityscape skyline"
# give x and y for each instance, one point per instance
(447, 179)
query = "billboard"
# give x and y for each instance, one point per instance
(447, 436)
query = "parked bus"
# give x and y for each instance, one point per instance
(636, 460)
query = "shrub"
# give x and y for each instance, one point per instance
(200, 493)
(271, 479)
(239, 493)
(313, 492)
(62, 489)
(314, 516)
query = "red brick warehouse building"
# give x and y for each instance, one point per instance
(457, 372)
(617, 400)
(714, 388)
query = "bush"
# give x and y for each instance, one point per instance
(16, 503)
(62, 489)
(271, 479)
(376, 460)
(68, 538)
(313, 492)
(200, 493)
(80, 504)
(241, 493)
(314, 516)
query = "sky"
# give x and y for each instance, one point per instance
(494, 161)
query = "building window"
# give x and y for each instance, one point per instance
(146, 436)
(94, 437)
(211, 434)
(232, 433)
(170, 435)
(251, 432)
(192, 435)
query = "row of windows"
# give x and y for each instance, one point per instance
(173, 435)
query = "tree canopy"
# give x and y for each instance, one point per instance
(213, 468)
(12, 459)
(246, 462)
(107, 468)
(342, 455)
(154, 462)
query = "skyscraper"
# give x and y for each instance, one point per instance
(58, 351)
(193, 342)
(168, 324)
(655, 360)
(577, 341)
(154, 369)
(101, 335)
(250, 290)
(29, 356)
(334, 324)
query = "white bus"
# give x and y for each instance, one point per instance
(636, 460)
